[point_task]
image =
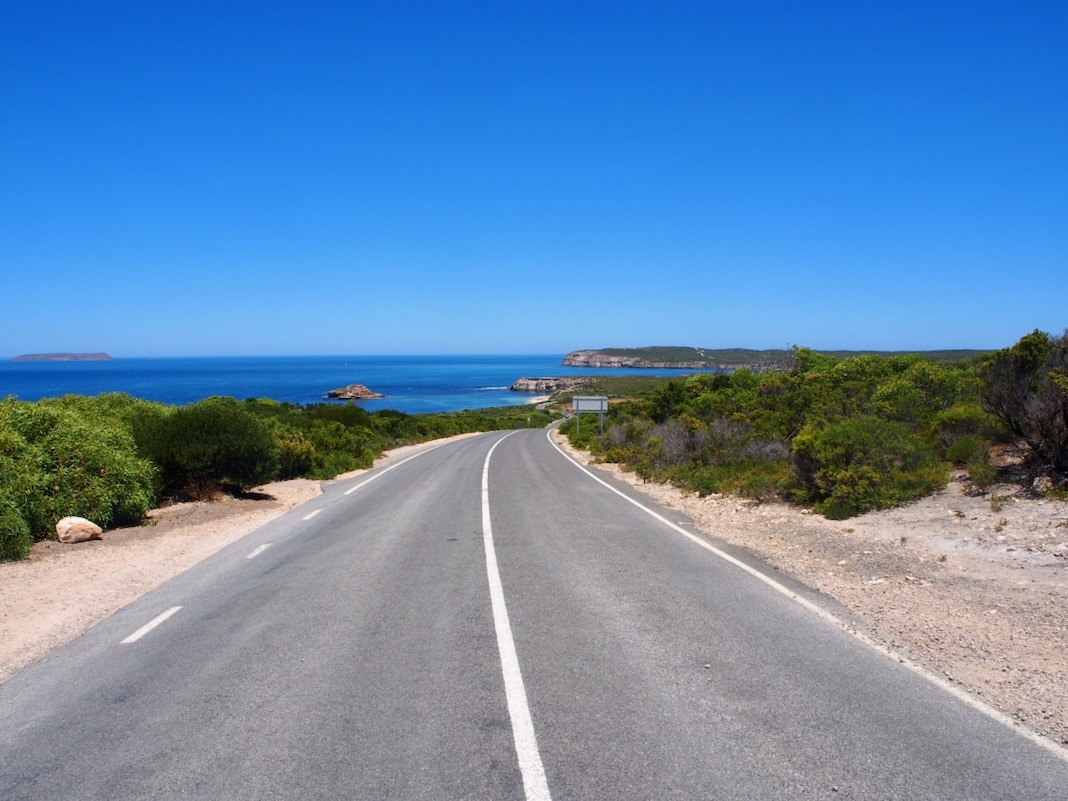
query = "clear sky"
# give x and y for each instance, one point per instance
(223, 178)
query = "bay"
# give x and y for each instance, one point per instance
(412, 384)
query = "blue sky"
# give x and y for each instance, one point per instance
(187, 178)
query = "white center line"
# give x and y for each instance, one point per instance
(312, 514)
(145, 629)
(526, 744)
(391, 467)
(259, 550)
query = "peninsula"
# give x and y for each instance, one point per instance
(62, 357)
(686, 358)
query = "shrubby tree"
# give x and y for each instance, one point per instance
(1026, 387)
(207, 446)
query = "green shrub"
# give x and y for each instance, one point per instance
(296, 456)
(1026, 387)
(861, 464)
(982, 472)
(54, 462)
(967, 449)
(15, 536)
(207, 446)
(748, 478)
(962, 420)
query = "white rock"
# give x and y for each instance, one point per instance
(78, 529)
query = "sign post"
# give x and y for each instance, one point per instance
(597, 404)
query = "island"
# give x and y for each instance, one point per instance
(62, 357)
(353, 392)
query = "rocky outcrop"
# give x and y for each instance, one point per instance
(683, 359)
(593, 358)
(542, 386)
(78, 529)
(353, 392)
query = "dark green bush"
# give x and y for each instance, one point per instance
(861, 464)
(55, 462)
(966, 450)
(1026, 387)
(15, 536)
(215, 444)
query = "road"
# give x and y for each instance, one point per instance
(489, 620)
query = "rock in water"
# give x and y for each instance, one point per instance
(353, 392)
(78, 529)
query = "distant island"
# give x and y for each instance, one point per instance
(686, 358)
(62, 357)
(353, 392)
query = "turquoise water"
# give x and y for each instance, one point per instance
(413, 384)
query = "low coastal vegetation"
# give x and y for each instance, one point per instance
(845, 435)
(689, 358)
(113, 457)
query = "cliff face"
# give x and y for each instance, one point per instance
(593, 358)
(682, 359)
(549, 385)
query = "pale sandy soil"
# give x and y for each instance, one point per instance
(974, 593)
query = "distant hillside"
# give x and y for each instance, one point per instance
(62, 357)
(726, 358)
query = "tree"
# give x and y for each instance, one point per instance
(200, 448)
(1026, 387)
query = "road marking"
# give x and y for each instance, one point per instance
(1057, 750)
(313, 514)
(145, 629)
(391, 467)
(526, 743)
(259, 550)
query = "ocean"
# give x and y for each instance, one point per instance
(412, 384)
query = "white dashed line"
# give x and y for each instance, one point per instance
(259, 550)
(145, 629)
(312, 514)
(391, 467)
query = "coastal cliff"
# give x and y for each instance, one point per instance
(549, 385)
(680, 358)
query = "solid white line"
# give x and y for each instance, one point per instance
(312, 514)
(145, 629)
(392, 467)
(526, 743)
(938, 681)
(259, 550)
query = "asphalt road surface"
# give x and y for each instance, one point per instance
(487, 620)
